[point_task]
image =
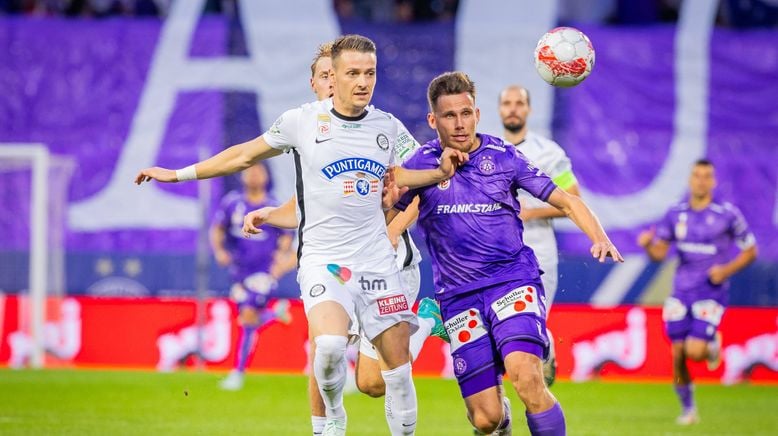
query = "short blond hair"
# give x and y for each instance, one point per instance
(323, 51)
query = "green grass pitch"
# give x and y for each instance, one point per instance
(82, 402)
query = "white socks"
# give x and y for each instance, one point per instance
(329, 366)
(400, 402)
(317, 422)
(421, 335)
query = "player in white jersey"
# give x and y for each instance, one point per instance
(369, 380)
(548, 156)
(346, 262)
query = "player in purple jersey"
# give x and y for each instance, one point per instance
(255, 264)
(488, 282)
(704, 232)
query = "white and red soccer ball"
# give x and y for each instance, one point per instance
(564, 57)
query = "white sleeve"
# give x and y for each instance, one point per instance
(404, 145)
(558, 166)
(283, 134)
(558, 163)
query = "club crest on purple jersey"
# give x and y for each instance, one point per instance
(460, 366)
(486, 166)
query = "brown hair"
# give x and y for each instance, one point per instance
(357, 43)
(323, 51)
(451, 83)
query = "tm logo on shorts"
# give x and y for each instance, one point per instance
(341, 273)
(465, 328)
(393, 304)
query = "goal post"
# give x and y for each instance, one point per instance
(46, 239)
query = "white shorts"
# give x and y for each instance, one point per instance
(373, 300)
(411, 278)
(550, 279)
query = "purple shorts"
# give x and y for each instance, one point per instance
(487, 324)
(246, 298)
(692, 317)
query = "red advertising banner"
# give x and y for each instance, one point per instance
(618, 343)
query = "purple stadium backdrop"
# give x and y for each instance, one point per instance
(76, 86)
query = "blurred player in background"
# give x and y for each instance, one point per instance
(346, 262)
(368, 372)
(488, 282)
(548, 156)
(704, 232)
(255, 264)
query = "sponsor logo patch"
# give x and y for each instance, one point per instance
(680, 226)
(361, 185)
(465, 328)
(323, 124)
(317, 290)
(709, 311)
(673, 310)
(444, 184)
(467, 208)
(520, 300)
(382, 141)
(275, 129)
(393, 304)
(354, 164)
(341, 273)
(460, 366)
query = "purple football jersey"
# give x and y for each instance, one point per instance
(471, 221)
(703, 238)
(249, 255)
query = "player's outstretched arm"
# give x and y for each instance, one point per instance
(529, 214)
(450, 160)
(234, 159)
(283, 216)
(584, 218)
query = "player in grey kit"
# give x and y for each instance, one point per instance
(703, 231)
(487, 281)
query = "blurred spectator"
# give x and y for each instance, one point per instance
(751, 13)
(586, 11)
(733, 13)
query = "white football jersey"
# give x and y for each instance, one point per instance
(550, 158)
(340, 163)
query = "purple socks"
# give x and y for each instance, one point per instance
(548, 423)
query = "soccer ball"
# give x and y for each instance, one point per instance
(564, 57)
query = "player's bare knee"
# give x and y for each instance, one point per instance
(371, 386)
(696, 350)
(248, 316)
(485, 422)
(531, 389)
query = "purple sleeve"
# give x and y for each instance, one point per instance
(740, 231)
(664, 228)
(405, 200)
(414, 162)
(531, 179)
